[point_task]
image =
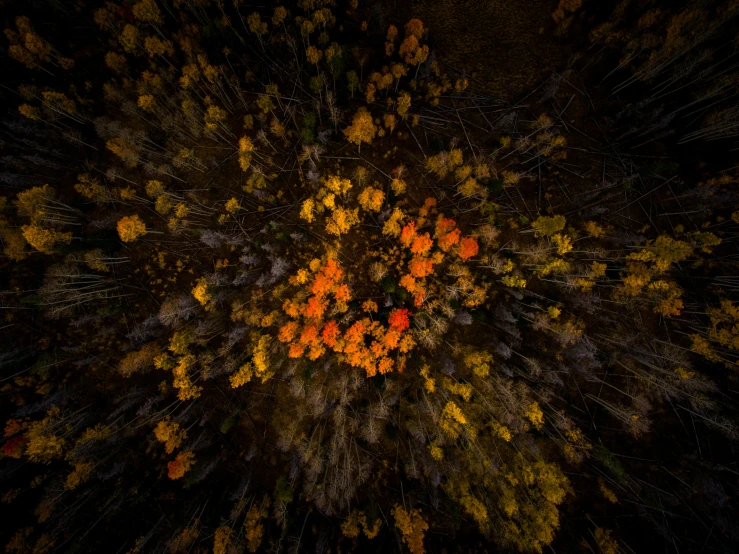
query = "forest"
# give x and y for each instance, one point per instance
(384, 276)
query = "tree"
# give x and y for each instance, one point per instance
(371, 199)
(246, 147)
(412, 526)
(130, 228)
(468, 248)
(177, 468)
(362, 128)
(548, 226)
(45, 240)
(170, 434)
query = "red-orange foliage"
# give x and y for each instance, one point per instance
(468, 248)
(13, 447)
(444, 226)
(421, 267)
(392, 338)
(399, 320)
(427, 205)
(385, 365)
(288, 331)
(378, 349)
(421, 243)
(447, 241)
(321, 285)
(315, 307)
(355, 333)
(309, 335)
(447, 234)
(408, 282)
(330, 333)
(327, 277)
(180, 465)
(414, 27)
(407, 234)
(342, 293)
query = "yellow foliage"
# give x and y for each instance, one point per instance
(80, 474)
(232, 206)
(170, 434)
(606, 543)
(246, 147)
(476, 509)
(563, 243)
(201, 293)
(32, 202)
(501, 431)
(260, 358)
(130, 228)
(242, 376)
(412, 526)
(404, 104)
(147, 102)
(163, 204)
(594, 230)
(548, 226)
(534, 414)
(307, 209)
(389, 121)
(313, 54)
(636, 279)
(341, 220)
(30, 112)
(451, 420)
(470, 187)
(222, 539)
(147, 10)
(608, 494)
(392, 226)
(663, 252)
(154, 188)
(460, 389)
(186, 390)
(479, 362)
(703, 347)
(337, 185)
(254, 529)
(513, 281)
(429, 382)
(371, 199)
(362, 128)
(598, 270)
(45, 240)
(398, 186)
(351, 525)
(556, 266)
(42, 444)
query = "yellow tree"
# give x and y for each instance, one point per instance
(130, 228)
(362, 128)
(412, 526)
(45, 240)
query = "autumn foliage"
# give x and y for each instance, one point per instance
(296, 277)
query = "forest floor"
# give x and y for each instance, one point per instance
(507, 47)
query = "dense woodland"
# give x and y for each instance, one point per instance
(369, 276)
